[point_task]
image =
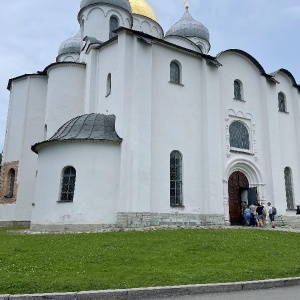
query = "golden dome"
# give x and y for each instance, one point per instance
(141, 7)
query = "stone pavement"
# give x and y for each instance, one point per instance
(161, 292)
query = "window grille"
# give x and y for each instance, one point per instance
(68, 185)
(113, 25)
(281, 102)
(237, 90)
(174, 72)
(239, 136)
(175, 179)
(289, 188)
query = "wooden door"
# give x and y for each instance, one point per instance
(236, 182)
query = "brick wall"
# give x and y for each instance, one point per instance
(5, 182)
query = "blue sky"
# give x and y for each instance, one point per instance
(32, 31)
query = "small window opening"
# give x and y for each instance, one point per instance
(281, 102)
(175, 178)
(238, 90)
(175, 72)
(11, 180)
(113, 25)
(108, 84)
(68, 185)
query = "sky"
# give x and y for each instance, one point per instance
(32, 31)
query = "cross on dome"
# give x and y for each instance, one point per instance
(186, 4)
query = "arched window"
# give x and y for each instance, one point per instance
(108, 84)
(175, 72)
(281, 102)
(11, 180)
(289, 190)
(113, 25)
(238, 90)
(68, 184)
(239, 135)
(175, 178)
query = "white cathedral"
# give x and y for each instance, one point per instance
(134, 127)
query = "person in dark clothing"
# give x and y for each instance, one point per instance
(260, 215)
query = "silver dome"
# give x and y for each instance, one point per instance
(188, 27)
(120, 3)
(90, 127)
(71, 45)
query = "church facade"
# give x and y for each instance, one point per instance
(134, 127)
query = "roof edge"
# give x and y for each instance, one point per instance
(248, 56)
(36, 147)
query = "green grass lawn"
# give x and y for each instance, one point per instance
(115, 260)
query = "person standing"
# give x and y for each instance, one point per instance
(247, 215)
(253, 219)
(271, 214)
(260, 215)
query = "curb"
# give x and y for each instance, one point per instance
(160, 292)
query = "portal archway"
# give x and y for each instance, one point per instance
(238, 184)
(249, 187)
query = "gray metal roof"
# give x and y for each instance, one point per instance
(187, 26)
(91, 127)
(71, 45)
(120, 3)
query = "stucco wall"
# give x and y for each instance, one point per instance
(65, 95)
(24, 128)
(96, 189)
(94, 20)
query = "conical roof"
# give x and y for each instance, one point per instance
(187, 26)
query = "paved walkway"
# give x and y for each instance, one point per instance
(287, 293)
(185, 292)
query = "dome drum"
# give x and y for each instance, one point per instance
(119, 3)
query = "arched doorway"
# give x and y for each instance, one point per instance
(238, 191)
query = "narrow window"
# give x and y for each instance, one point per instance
(289, 191)
(281, 102)
(11, 180)
(113, 25)
(175, 178)
(238, 90)
(68, 184)
(45, 132)
(239, 136)
(174, 72)
(108, 84)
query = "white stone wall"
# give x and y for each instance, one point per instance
(24, 128)
(94, 20)
(153, 117)
(96, 189)
(65, 95)
(182, 42)
(288, 124)
(148, 26)
(273, 149)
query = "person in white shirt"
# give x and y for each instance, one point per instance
(271, 215)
